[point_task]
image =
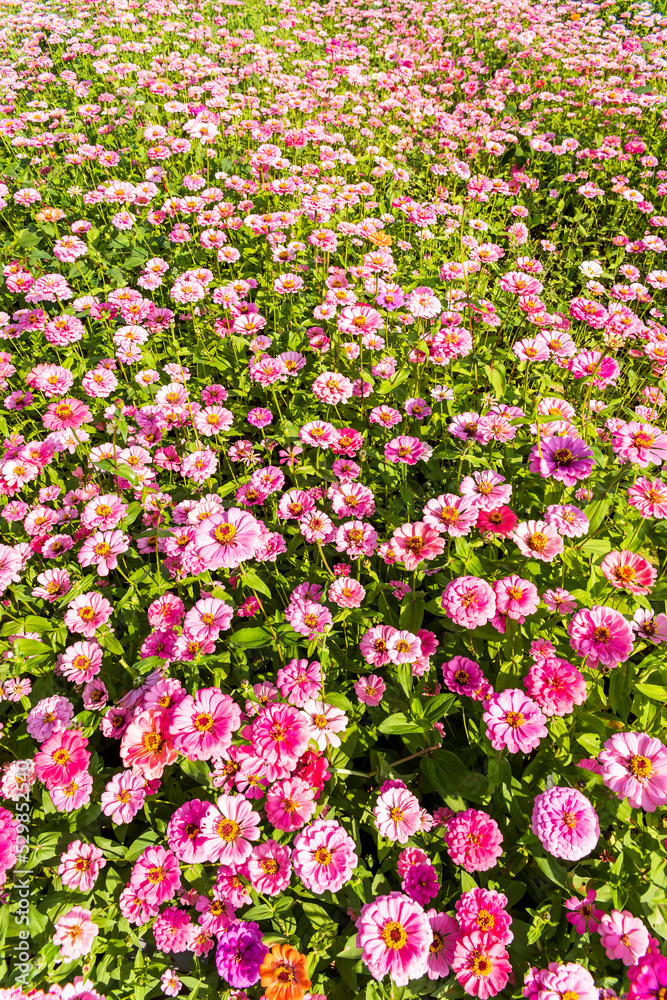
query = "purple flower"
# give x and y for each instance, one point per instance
(565, 458)
(240, 953)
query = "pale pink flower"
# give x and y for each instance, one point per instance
(623, 936)
(75, 933)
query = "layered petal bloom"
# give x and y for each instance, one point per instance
(567, 459)
(481, 964)
(602, 635)
(414, 543)
(226, 539)
(474, 840)
(227, 829)
(394, 935)
(628, 571)
(469, 601)
(515, 721)
(324, 856)
(397, 814)
(634, 765)
(202, 726)
(75, 933)
(565, 822)
(623, 936)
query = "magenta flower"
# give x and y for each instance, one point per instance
(565, 823)
(61, 758)
(481, 964)
(155, 876)
(463, 676)
(469, 601)
(87, 613)
(623, 936)
(567, 459)
(583, 915)
(515, 721)
(634, 765)
(473, 840)
(394, 935)
(441, 952)
(279, 735)
(185, 834)
(484, 910)
(602, 635)
(516, 597)
(369, 690)
(290, 804)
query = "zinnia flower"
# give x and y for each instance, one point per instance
(474, 840)
(481, 964)
(565, 823)
(283, 974)
(602, 635)
(634, 765)
(394, 935)
(514, 720)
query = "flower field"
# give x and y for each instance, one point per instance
(333, 526)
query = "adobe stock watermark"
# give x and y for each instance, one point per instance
(21, 889)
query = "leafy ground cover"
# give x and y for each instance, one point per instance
(333, 532)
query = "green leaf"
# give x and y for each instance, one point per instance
(653, 691)
(596, 512)
(397, 724)
(255, 582)
(250, 638)
(553, 871)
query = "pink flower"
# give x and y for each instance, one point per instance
(420, 882)
(394, 935)
(556, 685)
(623, 936)
(325, 722)
(123, 797)
(207, 619)
(172, 929)
(464, 676)
(452, 515)
(484, 910)
(102, 549)
(641, 444)
(567, 519)
(487, 489)
(298, 681)
(602, 635)
(516, 597)
(559, 601)
(185, 834)
(414, 543)
(346, 593)
(324, 856)
(649, 496)
(441, 951)
(404, 647)
(405, 449)
(49, 716)
(290, 804)
(75, 933)
(269, 867)
(583, 916)
(634, 765)
(331, 388)
(565, 823)
(87, 613)
(61, 758)
(370, 689)
(155, 876)
(474, 840)
(374, 644)
(538, 540)
(146, 745)
(226, 539)
(80, 865)
(570, 980)
(81, 661)
(397, 814)
(469, 601)
(280, 735)
(514, 720)
(203, 726)
(481, 964)
(628, 571)
(227, 829)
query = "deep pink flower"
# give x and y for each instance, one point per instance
(484, 910)
(583, 915)
(602, 635)
(155, 876)
(290, 804)
(565, 823)
(556, 685)
(185, 835)
(61, 758)
(279, 735)
(516, 597)
(515, 721)
(452, 515)
(566, 459)
(469, 601)
(474, 840)
(570, 980)
(481, 964)
(634, 765)
(441, 951)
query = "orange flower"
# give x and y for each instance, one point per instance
(283, 973)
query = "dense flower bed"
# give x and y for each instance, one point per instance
(332, 526)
